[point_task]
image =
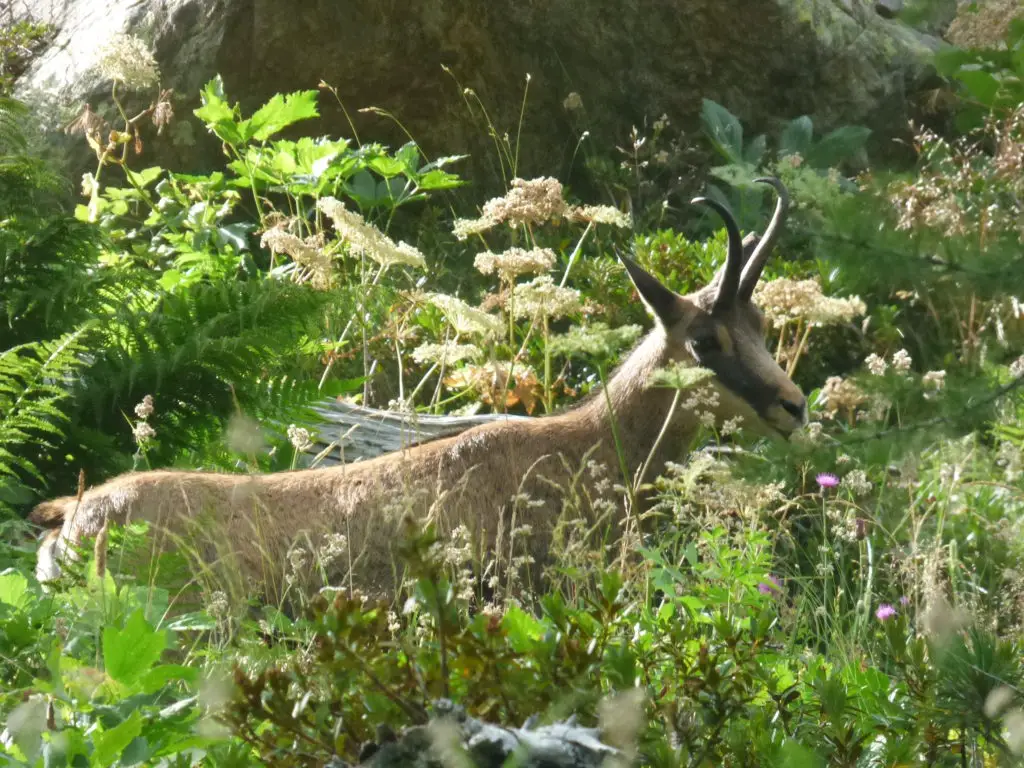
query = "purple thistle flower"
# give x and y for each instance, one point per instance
(827, 480)
(904, 600)
(885, 612)
(770, 586)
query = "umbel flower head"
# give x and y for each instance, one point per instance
(514, 262)
(126, 59)
(365, 239)
(783, 300)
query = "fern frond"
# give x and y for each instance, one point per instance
(36, 379)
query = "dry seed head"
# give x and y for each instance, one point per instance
(901, 361)
(528, 202)
(600, 214)
(784, 300)
(466, 319)
(143, 433)
(857, 482)
(448, 353)
(542, 298)
(876, 364)
(841, 394)
(365, 239)
(595, 340)
(514, 262)
(299, 438)
(144, 409)
(572, 102)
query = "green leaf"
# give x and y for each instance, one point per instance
(837, 146)
(220, 118)
(108, 745)
(795, 755)
(724, 130)
(438, 179)
(523, 629)
(14, 590)
(280, 112)
(130, 652)
(983, 86)
(157, 677)
(796, 136)
(145, 177)
(755, 150)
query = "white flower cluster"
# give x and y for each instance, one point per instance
(514, 262)
(127, 60)
(365, 239)
(784, 300)
(542, 298)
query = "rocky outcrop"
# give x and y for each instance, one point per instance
(451, 732)
(766, 60)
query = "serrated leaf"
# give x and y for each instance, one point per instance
(145, 177)
(277, 114)
(220, 118)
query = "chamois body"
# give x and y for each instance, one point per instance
(473, 479)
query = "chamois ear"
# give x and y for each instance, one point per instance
(665, 303)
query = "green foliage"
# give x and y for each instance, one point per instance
(795, 148)
(989, 79)
(33, 385)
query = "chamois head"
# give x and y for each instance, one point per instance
(719, 328)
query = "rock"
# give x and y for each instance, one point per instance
(765, 60)
(888, 9)
(560, 745)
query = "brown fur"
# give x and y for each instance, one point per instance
(469, 479)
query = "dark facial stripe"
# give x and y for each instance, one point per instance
(742, 381)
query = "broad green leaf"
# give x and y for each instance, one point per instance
(837, 146)
(409, 156)
(795, 755)
(235, 235)
(145, 177)
(280, 112)
(754, 151)
(14, 589)
(108, 745)
(129, 653)
(523, 629)
(796, 136)
(724, 130)
(438, 179)
(157, 677)
(983, 86)
(387, 166)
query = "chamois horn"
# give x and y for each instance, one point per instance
(729, 284)
(756, 262)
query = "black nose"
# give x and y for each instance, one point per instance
(795, 409)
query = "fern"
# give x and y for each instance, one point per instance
(34, 388)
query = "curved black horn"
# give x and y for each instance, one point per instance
(756, 262)
(730, 282)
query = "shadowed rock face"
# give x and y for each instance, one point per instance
(766, 60)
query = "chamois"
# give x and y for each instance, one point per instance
(473, 479)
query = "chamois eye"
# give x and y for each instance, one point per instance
(706, 345)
